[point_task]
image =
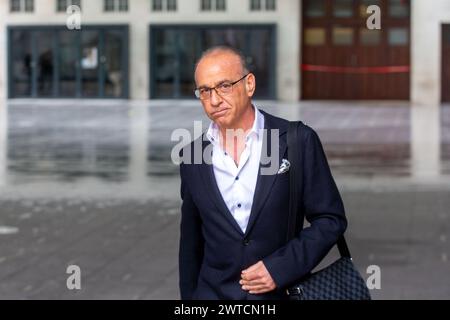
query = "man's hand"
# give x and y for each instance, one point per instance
(256, 279)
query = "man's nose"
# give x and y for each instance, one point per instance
(215, 99)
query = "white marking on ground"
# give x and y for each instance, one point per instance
(5, 230)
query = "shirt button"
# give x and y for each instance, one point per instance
(237, 178)
(239, 205)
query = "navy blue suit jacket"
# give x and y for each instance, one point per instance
(213, 249)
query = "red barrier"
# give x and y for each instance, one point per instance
(356, 70)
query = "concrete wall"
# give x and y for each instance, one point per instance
(139, 16)
(427, 18)
(3, 49)
(426, 62)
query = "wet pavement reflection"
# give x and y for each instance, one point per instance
(124, 141)
(67, 142)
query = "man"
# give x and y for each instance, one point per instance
(234, 218)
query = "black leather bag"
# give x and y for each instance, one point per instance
(340, 280)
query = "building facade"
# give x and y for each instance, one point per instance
(145, 49)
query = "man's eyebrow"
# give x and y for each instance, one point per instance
(222, 82)
(217, 84)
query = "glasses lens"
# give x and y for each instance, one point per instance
(204, 94)
(225, 88)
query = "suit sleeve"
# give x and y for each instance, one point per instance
(191, 242)
(323, 209)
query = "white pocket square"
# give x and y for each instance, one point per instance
(284, 167)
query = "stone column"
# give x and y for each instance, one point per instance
(139, 130)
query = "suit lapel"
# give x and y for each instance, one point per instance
(264, 183)
(212, 190)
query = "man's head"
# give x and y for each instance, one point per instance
(228, 106)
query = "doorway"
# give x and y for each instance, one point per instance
(54, 62)
(174, 50)
(344, 60)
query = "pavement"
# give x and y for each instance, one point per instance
(91, 184)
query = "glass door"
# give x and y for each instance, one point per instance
(90, 78)
(164, 63)
(45, 64)
(56, 62)
(21, 63)
(113, 63)
(189, 48)
(68, 64)
(174, 50)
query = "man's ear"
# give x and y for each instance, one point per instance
(250, 84)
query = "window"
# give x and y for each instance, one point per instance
(171, 76)
(62, 5)
(315, 9)
(123, 5)
(208, 5)
(220, 5)
(157, 5)
(258, 5)
(271, 5)
(41, 69)
(398, 8)
(171, 5)
(315, 36)
(115, 5)
(398, 36)
(15, 5)
(255, 5)
(364, 5)
(342, 36)
(161, 5)
(21, 5)
(343, 8)
(109, 5)
(29, 5)
(369, 37)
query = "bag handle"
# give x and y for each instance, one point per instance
(295, 156)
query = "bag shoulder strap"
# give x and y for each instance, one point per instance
(295, 155)
(295, 174)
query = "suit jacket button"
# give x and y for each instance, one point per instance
(246, 242)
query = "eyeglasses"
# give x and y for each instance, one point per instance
(223, 88)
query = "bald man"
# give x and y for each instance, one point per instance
(234, 216)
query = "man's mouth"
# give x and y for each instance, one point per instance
(220, 113)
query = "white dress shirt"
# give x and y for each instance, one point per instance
(237, 183)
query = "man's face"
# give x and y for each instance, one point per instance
(225, 110)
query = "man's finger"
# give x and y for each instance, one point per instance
(251, 276)
(252, 267)
(252, 283)
(255, 287)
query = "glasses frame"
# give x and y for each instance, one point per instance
(197, 90)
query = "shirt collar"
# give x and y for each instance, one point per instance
(258, 124)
